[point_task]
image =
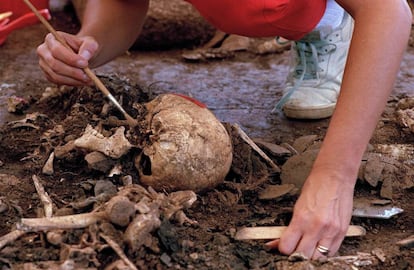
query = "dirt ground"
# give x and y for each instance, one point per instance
(239, 90)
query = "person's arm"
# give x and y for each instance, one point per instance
(324, 208)
(114, 24)
(108, 29)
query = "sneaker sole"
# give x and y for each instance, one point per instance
(309, 113)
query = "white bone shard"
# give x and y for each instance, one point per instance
(114, 146)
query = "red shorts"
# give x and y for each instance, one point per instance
(291, 19)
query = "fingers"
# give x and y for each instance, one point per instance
(312, 241)
(291, 237)
(62, 65)
(310, 247)
(76, 77)
(321, 250)
(311, 233)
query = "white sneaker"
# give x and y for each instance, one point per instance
(317, 65)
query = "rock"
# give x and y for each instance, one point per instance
(277, 191)
(373, 170)
(386, 188)
(274, 149)
(104, 187)
(301, 144)
(297, 168)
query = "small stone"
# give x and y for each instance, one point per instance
(104, 186)
(379, 253)
(380, 202)
(194, 256)
(297, 168)
(99, 162)
(274, 149)
(373, 170)
(166, 259)
(386, 189)
(277, 191)
(301, 144)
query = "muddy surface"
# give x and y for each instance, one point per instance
(239, 90)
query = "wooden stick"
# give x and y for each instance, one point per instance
(275, 232)
(253, 145)
(131, 121)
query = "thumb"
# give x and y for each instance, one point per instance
(88, 48)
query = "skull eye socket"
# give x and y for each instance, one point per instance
(145, 164)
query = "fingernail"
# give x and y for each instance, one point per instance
(86, 54)
(82, 63)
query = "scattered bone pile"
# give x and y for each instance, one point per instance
(121, 221)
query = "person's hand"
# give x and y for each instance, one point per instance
(63, 66)
(321, 217)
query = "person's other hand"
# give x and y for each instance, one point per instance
(321, 217)
(63, 66)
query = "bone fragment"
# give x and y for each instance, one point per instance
(10, 237)
(117, 265)
(48, 167)
(140, 228)
(115, 146)
(56, 237)
(406, 118)
(44, 197)
(118, 250)
(77, 221)
(48, 210)
(78, 257)
(361, 259)
(120, 210)
(61, 151)
(117, 210)
(407, 242)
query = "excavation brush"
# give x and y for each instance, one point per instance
(131, 121)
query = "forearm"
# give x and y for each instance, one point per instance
(379, 41)
(115, 24)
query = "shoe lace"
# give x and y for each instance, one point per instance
(308, 68)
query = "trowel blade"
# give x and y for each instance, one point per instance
(375, 211)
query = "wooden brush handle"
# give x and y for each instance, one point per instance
(88, 71)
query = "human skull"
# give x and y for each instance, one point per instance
(188, 147)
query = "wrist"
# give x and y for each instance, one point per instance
(339, 173)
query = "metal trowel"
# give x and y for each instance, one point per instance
(375, 211)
